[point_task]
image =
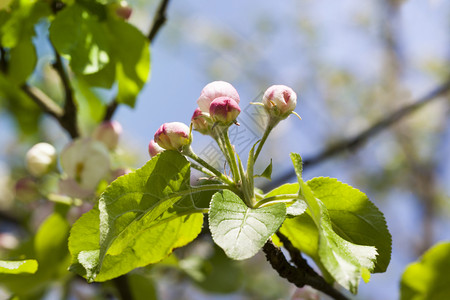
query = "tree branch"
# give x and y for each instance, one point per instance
(43, 101)
(158, 21)
(298, 276)
(362, 137)
(69, 118)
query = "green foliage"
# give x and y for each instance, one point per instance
(239, 230)
(49, 247)
(340, 230)
(137, 222)
(295, 209)
(428, 278)
(142, 287)
(29, 266)
(102, 49)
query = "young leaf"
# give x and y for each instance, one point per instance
(29, 266)
(137, 222)
(345, 261)
(354, 217)
(295, 209)
(428, 278)
(267, 173)
(239, 230)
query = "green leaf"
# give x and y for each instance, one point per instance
(217, 274)
(142, 287)
(354, 217)
(20, 24)
(22, 61)
(239, 230)
(428, 278)
(267, 173)
(28, 266)
(132, 53)
(103, 49)
(51, 240)
(138, 221)
(295, 209)
(342, 259)
(25, 112)
(82, 38)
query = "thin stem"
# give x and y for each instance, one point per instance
(202, 169)
(283, 198)
(232, 157)
(269, 128)
(189, 153)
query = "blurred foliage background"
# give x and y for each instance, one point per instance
(352, 63)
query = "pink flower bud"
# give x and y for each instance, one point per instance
(200, 123)
(40, 159)
(108, 133)
(215, 90)
(224, 110)
(154, 149)
(280, 100)
(173, 136)
(26, 190)
(123, 10)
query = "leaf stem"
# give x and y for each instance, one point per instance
(190, 153)
(232, 157)
(269, 127)
(283, 198)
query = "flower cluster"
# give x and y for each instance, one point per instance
(218, 107)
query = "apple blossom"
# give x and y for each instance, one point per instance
(108, 133)
(215, 90)
(224, 110)
(173, 136)
(199, 122)
(86, 161)
(154, 149)
(40, 159)
(279, 101)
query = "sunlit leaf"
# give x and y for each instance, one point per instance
(239, 230)
(29, 266)
(428, 277)
(139, 221)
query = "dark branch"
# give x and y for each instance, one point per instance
(158, 21)
(361, 138)
(69, 119)
(298, 276)
(3, 61)
(43, 101)
(296, 255)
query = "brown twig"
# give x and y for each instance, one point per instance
(158, 21)
(298, 276)
(69, 118)
(362, 137)
(43, 101)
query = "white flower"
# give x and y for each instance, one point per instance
(86, 161)
(40, 159)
